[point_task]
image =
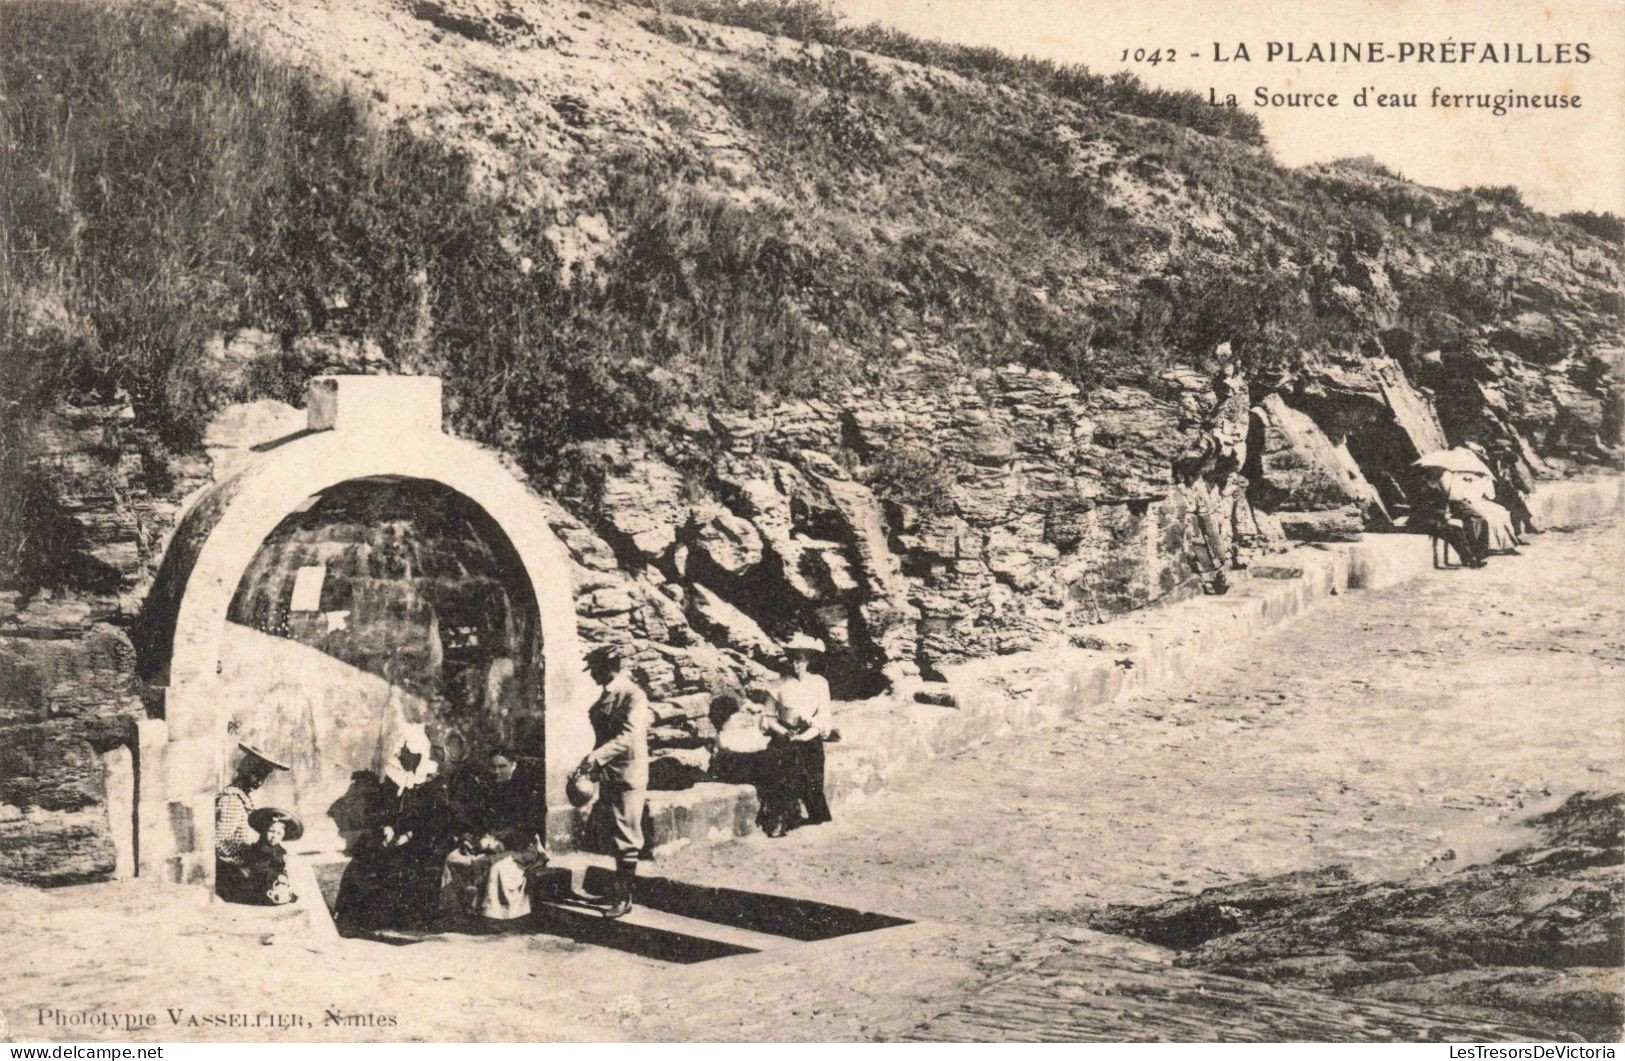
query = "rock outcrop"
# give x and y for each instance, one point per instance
(985, 513)
(70, 691)
(1536, 932)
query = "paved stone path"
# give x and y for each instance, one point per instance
(1399, 731)
(1384, 730)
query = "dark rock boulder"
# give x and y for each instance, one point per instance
(1537, 932)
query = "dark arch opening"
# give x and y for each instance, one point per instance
(380, 604)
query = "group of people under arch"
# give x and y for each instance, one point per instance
(438, 847)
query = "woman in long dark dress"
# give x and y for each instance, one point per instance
(393, 880)
(1512, 491)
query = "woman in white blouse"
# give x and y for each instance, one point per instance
(797, 726)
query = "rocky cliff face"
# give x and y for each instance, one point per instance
(70, 691)
(1048, 402)
(987, 513)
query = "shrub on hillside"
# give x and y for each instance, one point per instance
(1368, 164)
(703, 279)
(913, 475)
(835, 123)
(1604, 225)
(800, 19)
(762, 102)
(1499, 194)
(1450, 303)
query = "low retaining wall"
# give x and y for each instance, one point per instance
(1576, 502)
(884, 739)
(1378, 561)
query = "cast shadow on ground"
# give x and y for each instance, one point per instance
(796, 920)
(803, 920)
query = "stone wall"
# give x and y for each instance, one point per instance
(418, 589)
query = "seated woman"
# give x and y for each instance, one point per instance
(1472, 500)
(499, 827)
(233, 835)
(394, 877)
(743, 754)
(1430, 512)
(740, 740)
(797, 728)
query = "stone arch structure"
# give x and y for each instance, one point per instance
(359, 427)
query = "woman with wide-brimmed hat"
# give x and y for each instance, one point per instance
(233, 835)
(797, 726)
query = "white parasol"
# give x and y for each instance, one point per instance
(1452, 460)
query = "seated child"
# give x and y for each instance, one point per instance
(267, 860)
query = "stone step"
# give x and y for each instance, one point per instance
(306, 922)
(248, 919)
(570, 890)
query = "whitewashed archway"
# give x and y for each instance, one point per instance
(360, 427)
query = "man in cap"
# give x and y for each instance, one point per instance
(233, 834)
(620, 722)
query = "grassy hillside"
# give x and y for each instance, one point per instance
(816, 21)
(168, 184)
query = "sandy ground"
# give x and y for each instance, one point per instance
(1399, 732)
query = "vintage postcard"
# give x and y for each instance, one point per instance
(812, 521)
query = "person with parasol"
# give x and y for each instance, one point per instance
(1468, 488)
